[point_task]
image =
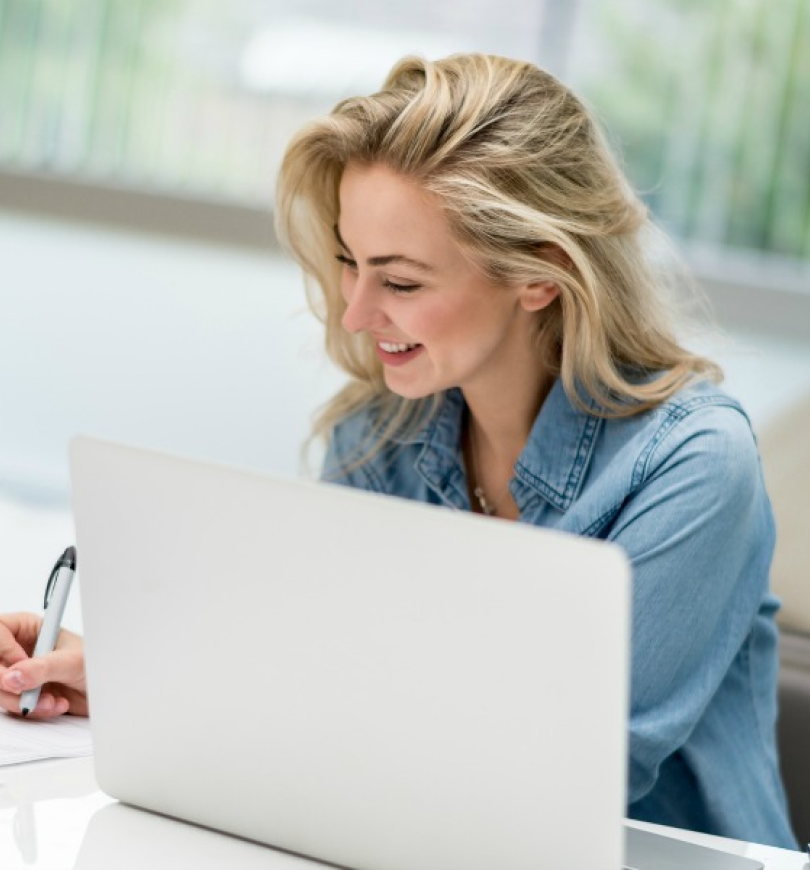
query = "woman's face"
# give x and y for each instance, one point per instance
(435, 320)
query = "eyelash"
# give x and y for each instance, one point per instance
(396, 289)
(400, 289)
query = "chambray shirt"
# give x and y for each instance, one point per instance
(680, 489)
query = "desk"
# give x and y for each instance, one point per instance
(54, 817)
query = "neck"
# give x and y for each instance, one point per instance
(503, 421)
(496, 431)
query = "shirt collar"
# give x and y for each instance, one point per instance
(556, 457)
(553, 463)
(439, 462)
(440, 429)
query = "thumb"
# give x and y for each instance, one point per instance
(11, 652)
(12, 680)
(61, 666)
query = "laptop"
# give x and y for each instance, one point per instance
(357, 679)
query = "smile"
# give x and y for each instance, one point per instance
(396, 354)
(391, 347)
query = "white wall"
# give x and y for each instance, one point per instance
(202, 350)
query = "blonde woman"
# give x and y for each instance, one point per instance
(479, 262)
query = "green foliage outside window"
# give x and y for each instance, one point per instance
(711, 104)
(708, 101)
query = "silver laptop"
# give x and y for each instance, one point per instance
(366, 681)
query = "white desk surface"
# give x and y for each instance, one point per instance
(54, 817)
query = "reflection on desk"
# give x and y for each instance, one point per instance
(140, 839)
(44, 810)
(54, 817)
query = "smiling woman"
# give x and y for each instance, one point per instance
(485, 274)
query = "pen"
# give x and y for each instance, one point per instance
(56, 595)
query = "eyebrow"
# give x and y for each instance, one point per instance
(386, 260)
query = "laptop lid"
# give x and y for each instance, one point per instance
(364, 680)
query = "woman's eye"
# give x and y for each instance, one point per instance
(400, 288)
(392, 286)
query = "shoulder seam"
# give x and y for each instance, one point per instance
(674, 412)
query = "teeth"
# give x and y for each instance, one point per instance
(390, 347)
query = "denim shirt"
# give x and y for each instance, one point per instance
(680, 489)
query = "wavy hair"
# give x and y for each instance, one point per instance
(520, 168)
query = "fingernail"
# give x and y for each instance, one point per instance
(46, 704)
(13, 680)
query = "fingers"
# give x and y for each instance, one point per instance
(12, 627)
(54, 700)
(18, 634)
(10, 702)
(60, 673)
(49, 705)
(12, 684)
(61, 666)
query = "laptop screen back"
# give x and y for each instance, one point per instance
(364, 680)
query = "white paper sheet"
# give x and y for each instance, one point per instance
(32, 739)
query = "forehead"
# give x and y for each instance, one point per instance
(380, 207)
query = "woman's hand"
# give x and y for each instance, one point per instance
(60, 673)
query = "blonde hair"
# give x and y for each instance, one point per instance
(531, 191)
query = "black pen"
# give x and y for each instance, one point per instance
(56, 595)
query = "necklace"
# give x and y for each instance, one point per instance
(487, 507)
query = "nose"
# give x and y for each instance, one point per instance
(363, 309)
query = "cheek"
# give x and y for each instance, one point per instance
(432, 324)
(460, 321)
(472, 331)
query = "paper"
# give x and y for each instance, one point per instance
(33, 739)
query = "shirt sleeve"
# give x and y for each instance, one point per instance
(699, 533)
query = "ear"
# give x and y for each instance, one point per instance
(538, 295)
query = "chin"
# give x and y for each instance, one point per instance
(410, 391)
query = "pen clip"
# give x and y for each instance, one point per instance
(51, 584)
(66, 560)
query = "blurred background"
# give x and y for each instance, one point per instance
(142, 297)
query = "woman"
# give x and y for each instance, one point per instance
(478, 259)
